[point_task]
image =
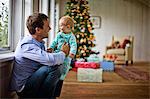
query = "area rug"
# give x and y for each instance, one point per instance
(132, 73)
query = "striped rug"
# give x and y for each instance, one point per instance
(132, 73)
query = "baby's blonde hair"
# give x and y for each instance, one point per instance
(68, 21)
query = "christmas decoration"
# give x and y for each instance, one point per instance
(78, 10)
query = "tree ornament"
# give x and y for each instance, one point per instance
(78, 36)
(89, 42)
(81, 17)
(84, 54)
(84, 40)
(82, 51)
(81, 41)
(71, 4)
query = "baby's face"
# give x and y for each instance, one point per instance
(64, 28)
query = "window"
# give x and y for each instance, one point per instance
(4, 25)
(13, 15)
(28, 11)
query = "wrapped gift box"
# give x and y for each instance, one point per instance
(107, 65)
(110, 57)
(86, 65)
(89, 75)
(93, 58)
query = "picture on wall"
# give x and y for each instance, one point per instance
(96, 20)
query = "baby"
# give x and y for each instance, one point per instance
(66, 25)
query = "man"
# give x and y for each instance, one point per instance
(36, 73)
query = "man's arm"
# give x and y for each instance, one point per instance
(35, 53)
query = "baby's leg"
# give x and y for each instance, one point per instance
(65, 68)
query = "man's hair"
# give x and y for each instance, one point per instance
(68, 21)
(35, 21)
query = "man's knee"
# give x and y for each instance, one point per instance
(61, 68)
(42, 70)
(56, 70)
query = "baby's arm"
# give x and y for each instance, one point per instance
(73, 46)
(53, 44)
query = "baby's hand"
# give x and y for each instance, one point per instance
(71, 55)
(50, 50)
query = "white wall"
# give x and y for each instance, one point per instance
(121, 18)
(148, 35)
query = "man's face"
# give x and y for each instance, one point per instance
(43, 33)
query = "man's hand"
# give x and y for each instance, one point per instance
(50, 50)
(65, 48)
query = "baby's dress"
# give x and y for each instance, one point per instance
(57, 44)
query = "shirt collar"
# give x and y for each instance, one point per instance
(40, 44)
(65, 35)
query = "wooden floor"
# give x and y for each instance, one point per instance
(113, 87)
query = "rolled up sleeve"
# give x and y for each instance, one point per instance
(35, 53)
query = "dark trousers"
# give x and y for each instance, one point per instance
(44, 83)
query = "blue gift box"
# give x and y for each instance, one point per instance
(107, 65)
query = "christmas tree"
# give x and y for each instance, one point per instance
(78, 10)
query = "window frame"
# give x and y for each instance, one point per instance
(10, 45)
